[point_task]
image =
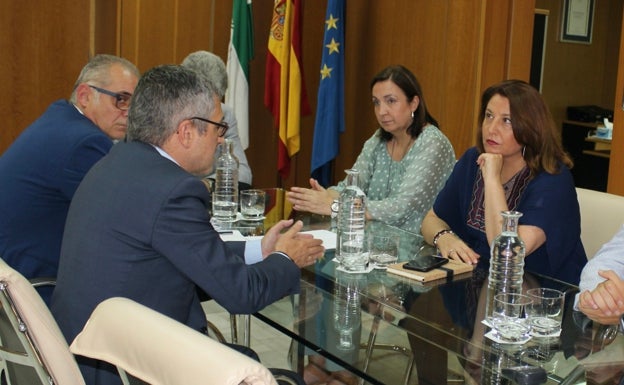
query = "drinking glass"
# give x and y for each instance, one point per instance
(546, 311)
(252, 203)
(383, 249)
(509, 319)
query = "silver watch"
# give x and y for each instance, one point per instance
(335, 206)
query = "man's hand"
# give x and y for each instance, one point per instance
(604, 304)
(303, 249)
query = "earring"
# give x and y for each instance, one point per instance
(412, 114)
(523, 150)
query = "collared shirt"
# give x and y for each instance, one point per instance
(253, 248)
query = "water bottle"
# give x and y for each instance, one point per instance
(225, 194)
(347, 308)
(351, 221)
(506, 261)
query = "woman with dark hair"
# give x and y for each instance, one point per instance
(402, 166)
(518, 164)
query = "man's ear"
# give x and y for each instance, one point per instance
(84, 93)
(185, 132)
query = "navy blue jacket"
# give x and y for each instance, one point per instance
(138, 228)
(39, 174)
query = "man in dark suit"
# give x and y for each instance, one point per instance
(138, 225)
(41, 170)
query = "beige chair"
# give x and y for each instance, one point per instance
(32, 348)
(602, 215)
(161, 351)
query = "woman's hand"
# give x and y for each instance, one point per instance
(491, 166)
(449, 244)
(452, 247)
(315, 200)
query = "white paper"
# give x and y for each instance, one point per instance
(328, 237)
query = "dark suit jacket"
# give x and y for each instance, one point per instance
(138, 228)
(39, 174)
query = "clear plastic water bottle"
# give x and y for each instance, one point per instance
(225, 194)
(506, 261)
(347, 308)
(351, 222)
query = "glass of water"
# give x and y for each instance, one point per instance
(546, 311)
(510, 322)
(252, 203)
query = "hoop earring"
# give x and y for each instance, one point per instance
(523, 150)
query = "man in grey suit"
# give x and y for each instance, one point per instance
(138, 227)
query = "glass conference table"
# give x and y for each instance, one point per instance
(396, 330)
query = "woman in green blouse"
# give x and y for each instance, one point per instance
(402, 167)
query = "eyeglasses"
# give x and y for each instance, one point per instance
(122, 100)
(222, 127)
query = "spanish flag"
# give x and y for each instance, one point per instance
(284, 93)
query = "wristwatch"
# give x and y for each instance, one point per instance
(335, 206)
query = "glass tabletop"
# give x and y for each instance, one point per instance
(387, 329)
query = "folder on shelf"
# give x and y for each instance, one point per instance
(448, 271)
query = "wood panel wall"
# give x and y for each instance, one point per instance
(43, 46)
(455, 48)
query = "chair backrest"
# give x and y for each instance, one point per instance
(161, 351)
(30, 336)
(602, 215)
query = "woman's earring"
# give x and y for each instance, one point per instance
(523, 150)
(412, 114)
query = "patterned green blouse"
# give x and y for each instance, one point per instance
(400, 193)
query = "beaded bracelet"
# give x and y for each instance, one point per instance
(439, 234)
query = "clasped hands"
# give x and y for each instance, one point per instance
(303, 249)
(604, 304)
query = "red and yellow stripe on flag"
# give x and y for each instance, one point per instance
(284, 92)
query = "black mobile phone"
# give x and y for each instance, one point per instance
(425, 263)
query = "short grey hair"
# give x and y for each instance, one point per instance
(210, 67)
(164, 97)
(97, 70)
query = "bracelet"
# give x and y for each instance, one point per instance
(439, 234)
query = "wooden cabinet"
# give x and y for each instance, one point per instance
(590, 155)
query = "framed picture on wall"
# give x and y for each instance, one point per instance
(577, 21)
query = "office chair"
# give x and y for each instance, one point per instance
(32, 348)
(161, 351)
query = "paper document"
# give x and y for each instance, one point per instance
(328, 237)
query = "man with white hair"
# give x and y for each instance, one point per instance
(212, 69)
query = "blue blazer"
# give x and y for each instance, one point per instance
(138, 228)
(39, 174)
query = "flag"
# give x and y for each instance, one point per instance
(240, 52)
(330, 122)
(284, 93)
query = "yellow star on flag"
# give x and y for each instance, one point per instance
(325, 72)
(333, 46)
(331, 22)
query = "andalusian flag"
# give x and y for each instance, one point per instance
(240, 52)
(284, 92)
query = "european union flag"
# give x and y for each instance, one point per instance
(330, 121)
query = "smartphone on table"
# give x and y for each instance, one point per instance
(425, 263)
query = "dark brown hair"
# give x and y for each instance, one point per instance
(533, 126)
(408, 83)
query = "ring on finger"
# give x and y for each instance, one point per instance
(448, 255)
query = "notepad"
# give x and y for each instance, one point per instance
(448, 271)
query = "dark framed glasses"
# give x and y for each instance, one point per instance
(222, 127)
(122, 100)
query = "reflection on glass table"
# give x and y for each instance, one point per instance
(440, 324)
(388, 329)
